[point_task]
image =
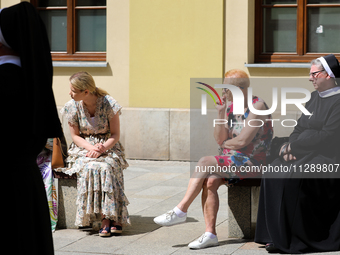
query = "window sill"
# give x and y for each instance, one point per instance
(79, 64)
(278, 65)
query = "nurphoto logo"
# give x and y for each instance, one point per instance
(238, 103)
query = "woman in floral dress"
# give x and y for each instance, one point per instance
(96, 155)
(253, 154)
(241, 145)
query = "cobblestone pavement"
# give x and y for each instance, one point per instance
(154, 187)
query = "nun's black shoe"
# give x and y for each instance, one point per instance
(271, 248)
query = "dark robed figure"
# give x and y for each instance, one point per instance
(300, 211)
(29, 117)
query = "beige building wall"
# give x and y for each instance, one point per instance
(239, 50)
(114, 78)
(6, 3)
(154, 48)
(172, 41)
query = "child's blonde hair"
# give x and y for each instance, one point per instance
(83, 80)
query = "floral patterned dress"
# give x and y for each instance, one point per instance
(44, 160)
(254, 154)
(100, 181)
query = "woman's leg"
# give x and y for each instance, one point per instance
(210, 202)
(116, 227)
(210, 205)
(105, 229)
(178, 214)
(196, 183)
(105, 222)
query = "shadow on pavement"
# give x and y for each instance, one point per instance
(139, 225)
(221, 243)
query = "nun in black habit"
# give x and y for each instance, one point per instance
(29, 117)
(299, 211)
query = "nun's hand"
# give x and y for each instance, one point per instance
(286, 150)
(289, 157)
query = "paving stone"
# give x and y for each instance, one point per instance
(153, 188)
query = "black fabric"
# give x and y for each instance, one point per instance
(318, 135)
(29, 117)
(299, 215)
(300, 212)
(25, 33)
(333, 64)
(275, 148)
(24, 197)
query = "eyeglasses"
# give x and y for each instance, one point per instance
(314, 74)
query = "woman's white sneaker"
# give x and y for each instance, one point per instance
(203, 242)
(169, 219)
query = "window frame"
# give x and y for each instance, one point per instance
(301, 55)
(71, 54)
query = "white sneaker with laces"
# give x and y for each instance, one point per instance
(203, 242)
(169, 219)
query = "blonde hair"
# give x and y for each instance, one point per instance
(83, 80)
(237, 77)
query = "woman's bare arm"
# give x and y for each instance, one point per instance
(115, 132)
(220, 130)
(248, 132)
(78, 140)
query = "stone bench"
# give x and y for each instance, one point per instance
(242, 208)
(243, 200)
(67, 194)
(242, 203)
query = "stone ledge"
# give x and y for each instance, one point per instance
(145, 133)
(164, 133)
(278, 65)
(79, 64)
(151, 133)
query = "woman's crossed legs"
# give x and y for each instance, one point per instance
(210, 202)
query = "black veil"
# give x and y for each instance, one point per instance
(25, 32)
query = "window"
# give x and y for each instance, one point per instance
(296, 30)
(76, 28)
